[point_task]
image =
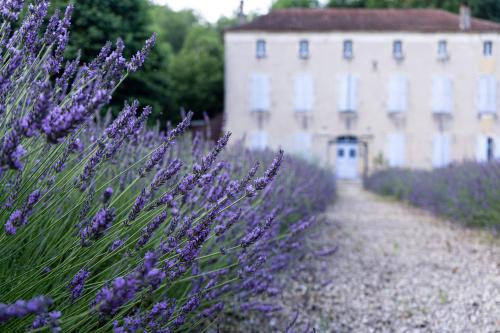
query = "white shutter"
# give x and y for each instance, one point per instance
(258, 140)
(264, 92)
(448, 94)
(442, 94)
(441, 150)
(298, 94)
(403, 93)
(398, 91)
(482, 95)
(482, 148)
(308, 93)
(254, 92)
(343, 93)
(353, 93)
(496, 147)
(304, 94)
(396, 150)
(492, 94)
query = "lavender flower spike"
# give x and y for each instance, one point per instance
(138, 59)
(77, 284)
(23, 308)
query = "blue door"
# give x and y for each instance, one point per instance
(347, 158)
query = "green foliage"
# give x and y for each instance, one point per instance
(197, 72)
(95, 22)
(279, 4)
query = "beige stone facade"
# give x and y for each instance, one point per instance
(431, 104)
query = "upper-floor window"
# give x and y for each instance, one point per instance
(442, 94)
(397, 49)
(259, 92)
(348, 51)
(304, 93)
(487, 95)
(348, 95)
(398, 91)
(261, 49)
(304, 49)
(442, 50)
(488, 48)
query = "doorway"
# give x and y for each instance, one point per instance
(347, 152)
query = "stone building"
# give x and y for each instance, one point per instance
(361, 89)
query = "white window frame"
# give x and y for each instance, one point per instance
(487, 95)
(397, 94)
(397, 49)
(442, 94)
(304, 49)
(260, 92)
(441, 150)
(488, 48)
(303, 92)
(260, 49)
(348, 49)
(348, 93)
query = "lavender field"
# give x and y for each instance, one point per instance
(467, 193)
(109, 225)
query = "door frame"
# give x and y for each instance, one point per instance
(362, 149)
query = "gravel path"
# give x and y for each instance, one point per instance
(397, 269)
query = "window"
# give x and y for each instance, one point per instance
(490, 149)
(487, 149)
(441, 150)
(340, 152)
(304, 93)
(487, 95)
(261, 49)
(347, 101)
(259, 93)
(258, 140)
(397, 50)
(442, 50)
(488, 48)
(348, 51)
(442, 94)
(398, 91)
(396, 153)
(304, 49)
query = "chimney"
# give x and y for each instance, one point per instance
(465, 19)
(241, 14)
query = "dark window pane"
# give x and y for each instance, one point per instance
(340, 152)
(352, 153)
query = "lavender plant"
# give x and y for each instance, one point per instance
(468, 192)
(110, 226)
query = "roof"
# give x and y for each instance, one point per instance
(349, 19)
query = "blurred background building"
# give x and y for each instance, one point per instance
(360, 89)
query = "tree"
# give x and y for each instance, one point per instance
(95, 22)
(278, 4)
(172, 27)
(197, 72)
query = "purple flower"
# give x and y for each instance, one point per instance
(23, 308)
(99, 224)
(139, 58)
(50, 319)
(10, 9)
(77, 284)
